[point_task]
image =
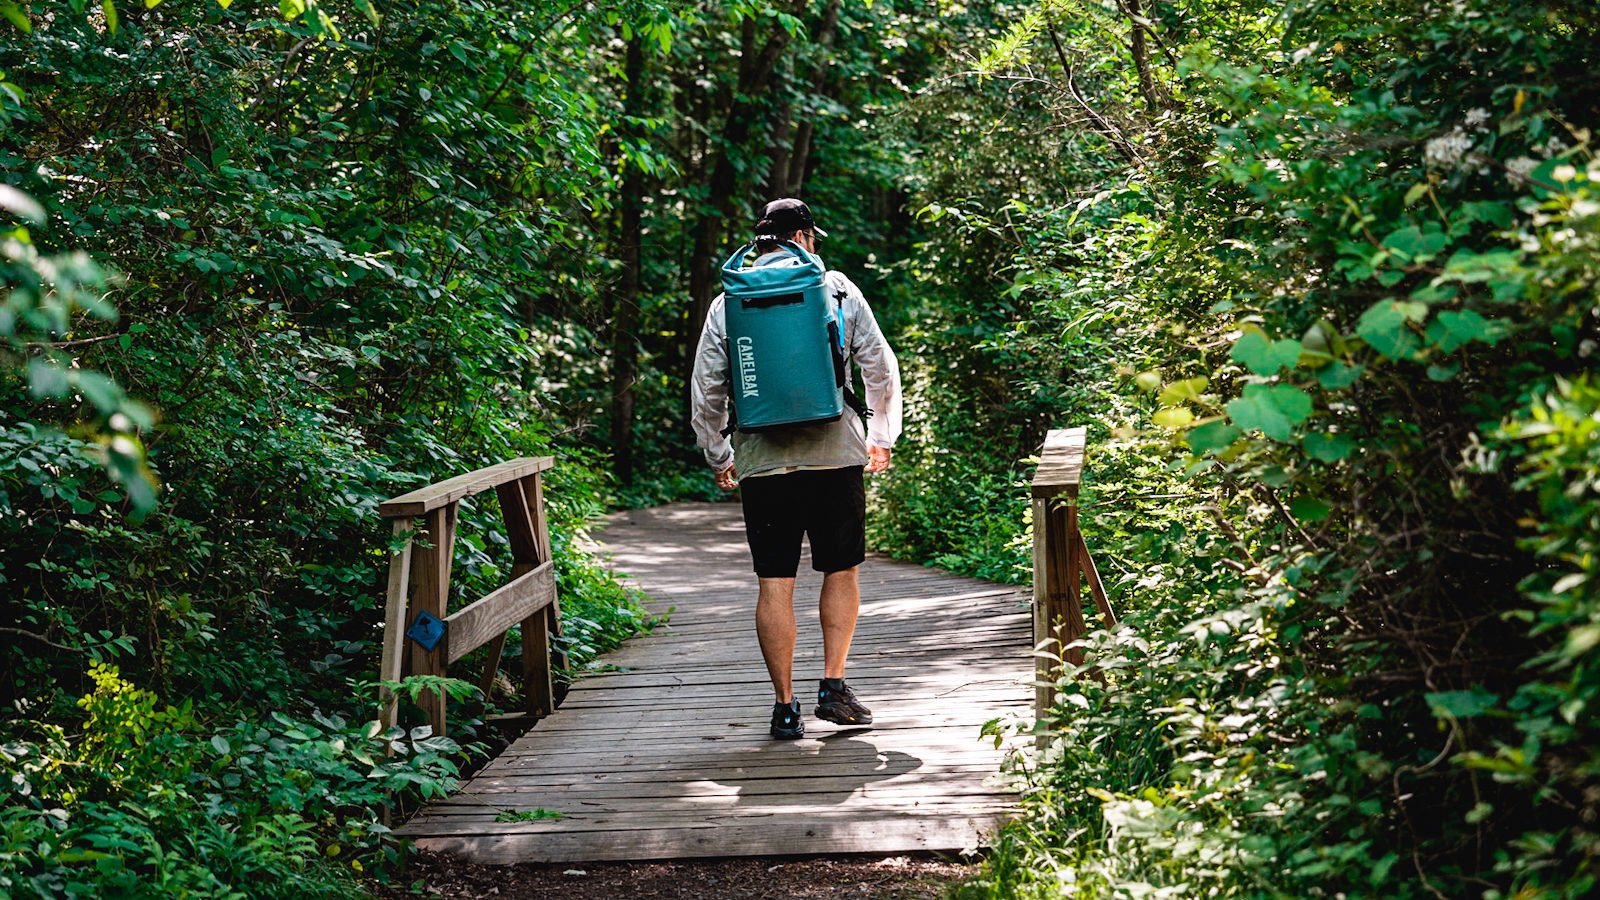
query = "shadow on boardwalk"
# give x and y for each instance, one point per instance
(669, 757)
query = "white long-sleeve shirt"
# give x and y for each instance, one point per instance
(829, 445)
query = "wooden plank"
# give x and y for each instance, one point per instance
(556, 763)
(677, 773)
(1060, 467)
(477, 624)
(520, 531)
(538, 686)
(533, 489)
(1096, 588)
(887, 835)
(430, 592)
(394, 622)
(605, 822)
(425, 500)
(491, 666)
(1063, 606)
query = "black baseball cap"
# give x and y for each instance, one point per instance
(786, 216)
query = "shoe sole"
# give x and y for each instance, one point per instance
(782, 735)
(831, 714)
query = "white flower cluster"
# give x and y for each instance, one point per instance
(1522, 165)
(1476, 117)
(1447, 150)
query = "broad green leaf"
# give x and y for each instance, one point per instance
(1272, 410)
(1211, 437)
(113, 24)
(1384, 327)
(16, 16)
(1494, 212)
(1462, 704)
(1172, 417)
(1416, 242)
(1265, 357)
(371, 12)
(1328, 447)
(292, 9)
(220, 744)
(1339, 376)
(1443, 373)
(1184, 391)
(1416, 192)
(1310, 509)
(1451, 330)
(1148, 381)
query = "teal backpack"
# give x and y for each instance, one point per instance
(785, 344)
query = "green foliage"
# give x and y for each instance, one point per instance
(1345, 256)
(324, 250)
(149, 801)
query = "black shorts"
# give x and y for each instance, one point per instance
(827, 505)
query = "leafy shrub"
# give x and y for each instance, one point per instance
(145, 804)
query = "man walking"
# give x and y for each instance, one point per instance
(803, 480)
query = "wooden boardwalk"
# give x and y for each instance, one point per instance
(670, 757)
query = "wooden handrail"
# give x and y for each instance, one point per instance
(1061, 561)
(424, 500)
(419, 582)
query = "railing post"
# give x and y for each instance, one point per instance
(394, 621)
(522, 504)
(1060, 561)
(431, 594)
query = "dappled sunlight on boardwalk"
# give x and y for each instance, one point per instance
(669, 757)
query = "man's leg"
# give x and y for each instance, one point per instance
(840, 603)
(775, 628)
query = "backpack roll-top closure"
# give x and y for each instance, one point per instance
(783, 345)
(785, 276)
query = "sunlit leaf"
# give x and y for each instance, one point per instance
(1172, 417)
(16, 16)
(1273, 410)
(1263, 356)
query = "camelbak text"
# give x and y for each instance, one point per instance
(747, 368)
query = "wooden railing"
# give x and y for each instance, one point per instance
(422, 572)
(1061, 560)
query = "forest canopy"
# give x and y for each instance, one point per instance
(1319, 278)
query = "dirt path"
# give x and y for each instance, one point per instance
(919, 877)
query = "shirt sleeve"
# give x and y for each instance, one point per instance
(708, 390)
(879, 367)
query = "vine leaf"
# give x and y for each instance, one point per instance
(1273, 410)
(1265, 357)
(1462, 704)
(1329, 447)
(1452, 330)
(1212, 436)
(1385, 327)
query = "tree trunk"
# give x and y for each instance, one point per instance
(723, 190)
(801, 154)
(1141, 55)
(625, 322)
(778, 173)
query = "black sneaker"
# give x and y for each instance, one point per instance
(786, 722)
(836, 703)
